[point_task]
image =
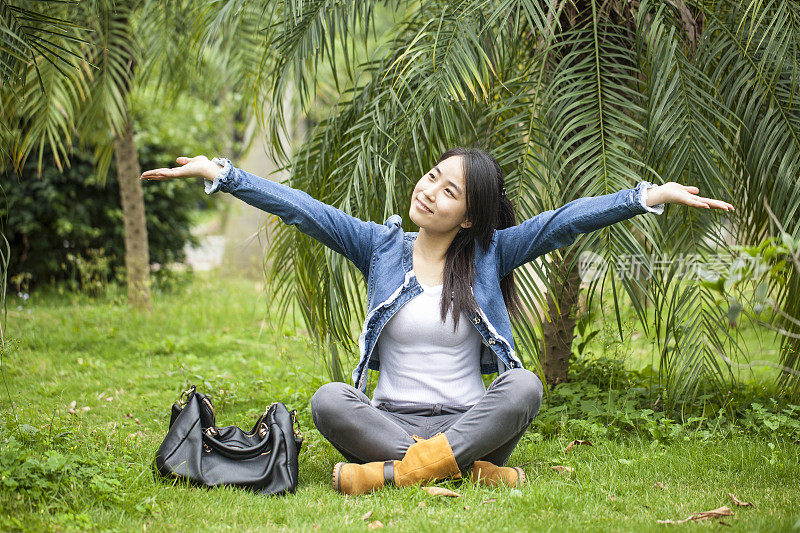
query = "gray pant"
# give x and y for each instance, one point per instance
(488, 431)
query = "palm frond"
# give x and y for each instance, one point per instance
(47, 117)
(34, 33)
(115, 54)
(169, 41)
(584, 141)
(753, 56)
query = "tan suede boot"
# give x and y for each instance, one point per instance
(484, 472)
(352, 478)
(425, 460)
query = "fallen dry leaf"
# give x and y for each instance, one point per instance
(439, 491)
(367, 515)
(374, 525)
(660, 485)
(577, 443)
(315, 526)
(714, 513)
(563, 469)
(739, 502)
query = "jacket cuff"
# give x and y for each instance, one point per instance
(640, 196)
(220, 180)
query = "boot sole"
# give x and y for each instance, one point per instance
(521, 478)
(337, 469)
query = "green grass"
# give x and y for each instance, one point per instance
(128, 367)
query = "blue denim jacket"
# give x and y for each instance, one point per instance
(383, 254)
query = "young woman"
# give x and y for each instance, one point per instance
(438, 314)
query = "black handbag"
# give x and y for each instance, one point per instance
(262, 459)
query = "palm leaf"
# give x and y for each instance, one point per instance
(753, 60)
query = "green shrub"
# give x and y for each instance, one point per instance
(64, 226)
(605, 400)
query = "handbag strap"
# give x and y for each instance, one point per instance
(212, 431)
(240, 453)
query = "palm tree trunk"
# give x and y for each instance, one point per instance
(558, 328)
(137, 255)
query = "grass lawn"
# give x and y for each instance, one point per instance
(123, 370)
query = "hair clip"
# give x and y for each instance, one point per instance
(503, 191)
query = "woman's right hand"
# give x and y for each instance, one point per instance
(191, 167)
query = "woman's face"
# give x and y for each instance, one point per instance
(442, 190)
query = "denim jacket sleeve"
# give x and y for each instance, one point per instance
(560, 227)
(342, 233)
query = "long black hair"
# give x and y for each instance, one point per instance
(489, 209)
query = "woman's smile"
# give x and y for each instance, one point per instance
(422, 207)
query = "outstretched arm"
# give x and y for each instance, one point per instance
(343, 233)
(560, 227)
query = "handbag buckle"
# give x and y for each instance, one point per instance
(211, 431)
(185, 395)
(297, 433)
(262, 430)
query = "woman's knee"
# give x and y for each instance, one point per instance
(527, 392)
(325, 400)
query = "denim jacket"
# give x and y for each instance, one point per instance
(383, 254)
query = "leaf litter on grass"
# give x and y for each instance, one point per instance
(739, 502)
(577, 443)
(441, 491)
(705, 515)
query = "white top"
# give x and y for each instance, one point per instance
(424, 361)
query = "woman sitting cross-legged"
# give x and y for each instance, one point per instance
(438, 314)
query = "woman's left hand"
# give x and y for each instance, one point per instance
(675, 193)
